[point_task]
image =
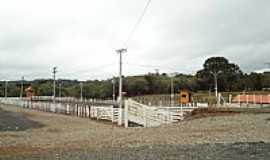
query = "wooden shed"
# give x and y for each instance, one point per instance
(185, 97)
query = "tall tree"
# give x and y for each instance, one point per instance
(220, 69)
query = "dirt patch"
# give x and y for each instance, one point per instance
(210, 112)
(240, 151)
(16, 121)
(9, 136)
(53, 130)
(20, 150)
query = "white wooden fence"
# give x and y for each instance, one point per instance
(85, 110)
(132, 112)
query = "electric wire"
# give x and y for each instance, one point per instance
(137, 24)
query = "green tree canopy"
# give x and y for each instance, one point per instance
(228, 74)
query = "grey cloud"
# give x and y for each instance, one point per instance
(175, 34)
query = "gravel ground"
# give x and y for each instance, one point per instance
(51, 136)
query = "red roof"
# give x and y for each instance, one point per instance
(257, 99)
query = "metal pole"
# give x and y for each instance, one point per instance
(120, 51)
(6, 85)
(172, 92)
(113, 82)
(21, 94)
(54, 75)
(216, 84)
(81, 85)
(60, 89)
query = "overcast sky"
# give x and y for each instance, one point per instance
(80, 36)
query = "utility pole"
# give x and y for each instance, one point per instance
(215, 74)
(113, 83)
(6, 88)
(21, 94)
(54, 76)
(172, 92)
(60, 89)
(120, 51)
(172, 75)
(81, 86)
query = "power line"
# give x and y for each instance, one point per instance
(137, 23)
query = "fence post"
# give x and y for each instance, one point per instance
(120, 116)
(126, 113)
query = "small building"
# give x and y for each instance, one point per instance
(185, 97)
(29, 92)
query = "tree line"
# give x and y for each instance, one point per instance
(229, 77)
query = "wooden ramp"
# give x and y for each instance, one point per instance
(149, 116)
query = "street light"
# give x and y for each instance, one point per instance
(113, 83)
(81, 88)
(215, 74)
(172, 75)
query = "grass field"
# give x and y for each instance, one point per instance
(29, 134)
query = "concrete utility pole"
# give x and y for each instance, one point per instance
(6, 88)
(113, 83)
(81, 86)
(21, 94)
(54, 76)
(120, 51)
